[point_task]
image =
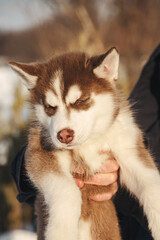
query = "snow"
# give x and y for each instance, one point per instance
(8, 83)
(18, 235)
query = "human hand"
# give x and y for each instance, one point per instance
(107, 176)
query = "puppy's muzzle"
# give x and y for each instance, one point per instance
(65, 135)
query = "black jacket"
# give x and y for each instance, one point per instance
(146, 99)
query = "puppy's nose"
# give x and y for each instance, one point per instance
(65, 135)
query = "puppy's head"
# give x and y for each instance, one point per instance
(73, 95)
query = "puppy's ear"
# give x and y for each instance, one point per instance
(28, 73)
(108, 64)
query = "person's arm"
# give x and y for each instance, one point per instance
(145, 101)
(26, 191)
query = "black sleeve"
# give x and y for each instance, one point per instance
(145, 100)
(146, 104)
(27, 192)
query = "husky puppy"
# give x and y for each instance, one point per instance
(79, 113)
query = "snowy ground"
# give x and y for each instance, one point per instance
(18, 235)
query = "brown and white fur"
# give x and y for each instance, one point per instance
(79, 113)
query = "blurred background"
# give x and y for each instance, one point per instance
(36, 30)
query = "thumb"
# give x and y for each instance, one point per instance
(79, 183)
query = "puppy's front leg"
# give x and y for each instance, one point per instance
(141, 177)
(64, 206)
(144, 183)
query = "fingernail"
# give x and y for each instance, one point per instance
(79, 183)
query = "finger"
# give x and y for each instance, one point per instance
(106, 196)
(79, 182)
(110, 165)
(103, 179)
(101, 197)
